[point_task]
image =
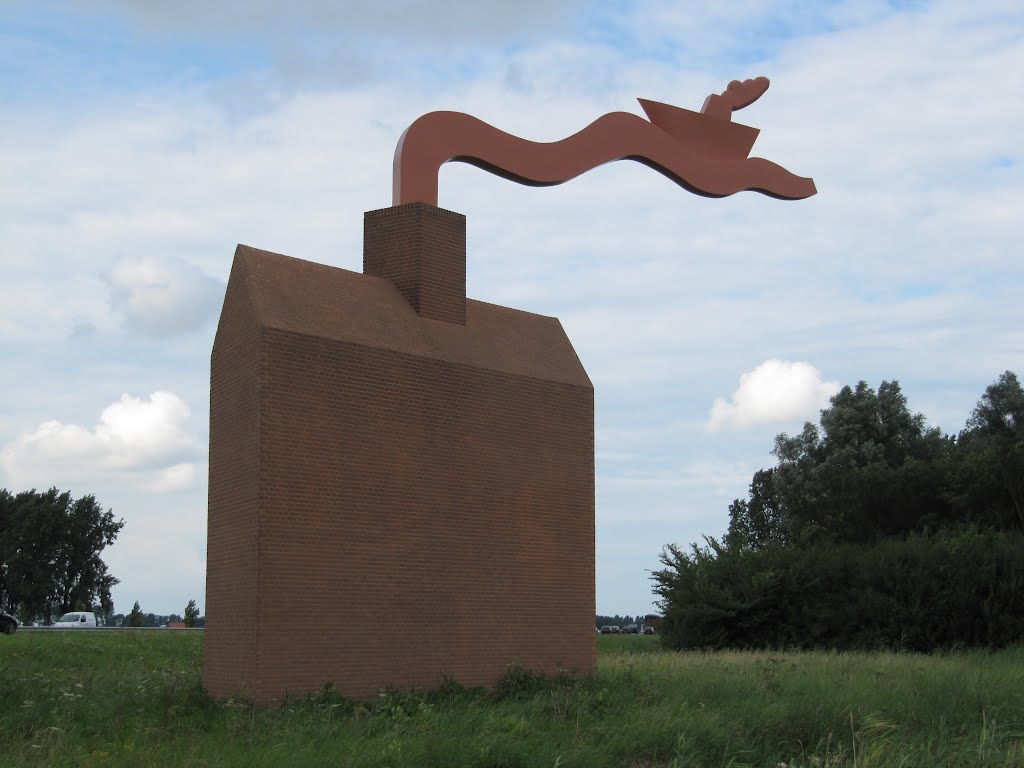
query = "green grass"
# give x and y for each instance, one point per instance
(135, 699)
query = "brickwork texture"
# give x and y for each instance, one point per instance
(401, 479)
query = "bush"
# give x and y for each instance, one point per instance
(917, 593)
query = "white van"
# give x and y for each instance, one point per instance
(76, 620)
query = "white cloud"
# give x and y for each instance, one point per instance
(774, 391)
(142, 441)
(163, 297)
(179, 477)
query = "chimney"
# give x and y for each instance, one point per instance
(422, 250)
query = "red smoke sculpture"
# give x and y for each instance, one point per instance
(704, 152)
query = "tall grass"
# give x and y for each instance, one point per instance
(83, 699)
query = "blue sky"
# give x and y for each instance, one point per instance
(141, 142)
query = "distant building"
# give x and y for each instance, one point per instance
(653, 620)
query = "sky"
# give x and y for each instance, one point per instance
(140, 142)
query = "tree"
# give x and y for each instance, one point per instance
(872, 469)
(758, 523)
(1000, 411)
(191, 614)
(872, 528)
(135, 618)
(50, 547)
(991, 450)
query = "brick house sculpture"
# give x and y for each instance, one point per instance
(401, 478)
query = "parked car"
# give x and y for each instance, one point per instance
(77, 620)
(631, 629)
(616, 629)
(648, 630)
(8, 624)
(605, 630)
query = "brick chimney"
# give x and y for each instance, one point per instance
(422, 250)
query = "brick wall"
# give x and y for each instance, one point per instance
(232, 554)
(419, 501)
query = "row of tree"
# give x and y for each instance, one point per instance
(620, 621)
(51, 562)
(50, 547)
(872, 529)
(139, 619)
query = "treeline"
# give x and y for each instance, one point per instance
(139, 619)
(872, 531)
(50, 546)
(144, 620)
(621, 621)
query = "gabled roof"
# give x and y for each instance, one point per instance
(313, 299)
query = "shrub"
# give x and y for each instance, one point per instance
(921, 592)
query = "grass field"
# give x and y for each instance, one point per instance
(134, 699)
